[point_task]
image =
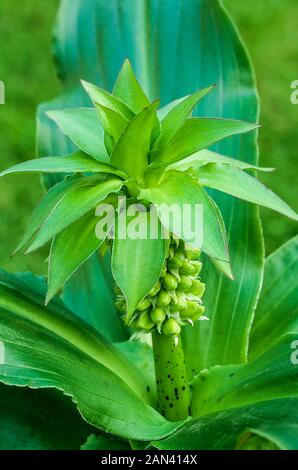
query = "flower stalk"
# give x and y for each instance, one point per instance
(173, 392)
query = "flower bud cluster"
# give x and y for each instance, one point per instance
(175, 300)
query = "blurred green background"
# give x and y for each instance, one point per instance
(269, 28)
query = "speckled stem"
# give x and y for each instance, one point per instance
(172, 384)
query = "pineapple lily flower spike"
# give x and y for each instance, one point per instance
(157, 157)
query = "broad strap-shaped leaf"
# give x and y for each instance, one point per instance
(131, 152)
(128, 89)
(77, 360)
(199, 133)
(27, 424)
(71, 248)
(48, 204)
(205, 156)
(71, 207)
(239, 184)
(177, 191)
(83, 127)
(23, 295)
(137, 258)
(225, 430)
(277, 311)
(75, 163)
(176, 117)
(103, 98)
(272, 375)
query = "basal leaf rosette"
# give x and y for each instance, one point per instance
(128, 147)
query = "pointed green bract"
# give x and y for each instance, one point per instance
(73, 206)
(162, 112)
(239, 184)
(128, 89)
(113, 123)
(83, 128)
(48, 203)
(176, 117)
(70, 249)
(180, 189)
(205, 156)
(199, 133)
(131, 152)
(137, 262)
(104, 98)
(75, 163)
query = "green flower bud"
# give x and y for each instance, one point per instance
(194, 312)
(197, 266)
(121, 305)
(175, 263)
(170, 327)
(155, 289)
(192, 307)
(170, 282)
(163, 271)
(184, 283)
(145, 322)
(187, 268)
(158, 315)
(144, 305)
(117, 290)
(197, 288)
(194, 253)
(179, 305)
(163, 299)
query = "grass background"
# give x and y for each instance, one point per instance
(269, 28)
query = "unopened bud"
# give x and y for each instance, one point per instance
(197, 267)
(163, 271)
(170, 327)
(184, 283)
(163, 299)
(170, 282)
(121, 305)
(197, 288)
(175, 263)
(187, 268)
(179, 305)
(192, 307)
(192, 314)
(155, 289)
(199, 313)
(144, 305)
(145, 322)
(158, 315)
(194, 253)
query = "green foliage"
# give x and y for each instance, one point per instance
(108, 383)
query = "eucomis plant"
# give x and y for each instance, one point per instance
(129, 147)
